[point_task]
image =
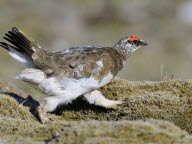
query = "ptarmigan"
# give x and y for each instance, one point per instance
(70, 73)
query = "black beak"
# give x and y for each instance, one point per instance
(142, 43)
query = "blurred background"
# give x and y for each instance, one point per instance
(165, 24)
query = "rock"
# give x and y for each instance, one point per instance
(19, 95)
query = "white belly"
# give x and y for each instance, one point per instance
(65, 86)
(85, 84)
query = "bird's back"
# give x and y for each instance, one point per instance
(82, 62)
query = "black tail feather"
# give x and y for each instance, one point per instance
(9, 40)
(7, 46)
(14, 40)
(19, 38)
(19, 41)
(2, 44)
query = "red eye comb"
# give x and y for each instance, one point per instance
(134, 38)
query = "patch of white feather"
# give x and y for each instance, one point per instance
(39, 46)
(50, 85)
(33, 77)
(84, 85)
(24, 59)
(78, 74)
(18, 57)
(99, 64)
(80, 67)
(66, 51)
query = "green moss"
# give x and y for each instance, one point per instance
(9, 107)
(102, 132)
(14, 117)
(168, 100)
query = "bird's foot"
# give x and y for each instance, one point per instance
(97, 98)
(42, 115)
(112, 104)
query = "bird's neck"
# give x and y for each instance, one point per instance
(122, 51)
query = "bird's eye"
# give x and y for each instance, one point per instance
(134, 41)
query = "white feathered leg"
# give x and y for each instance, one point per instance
(50, 103)
(97, 98)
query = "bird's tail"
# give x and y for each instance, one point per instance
(20, 48)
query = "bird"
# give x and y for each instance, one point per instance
(67, 74)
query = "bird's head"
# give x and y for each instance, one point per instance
(130, 44)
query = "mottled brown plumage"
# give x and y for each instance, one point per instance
(79, 63)
(72, 72)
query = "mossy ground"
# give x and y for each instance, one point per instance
(131, 122)
(169, 100)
